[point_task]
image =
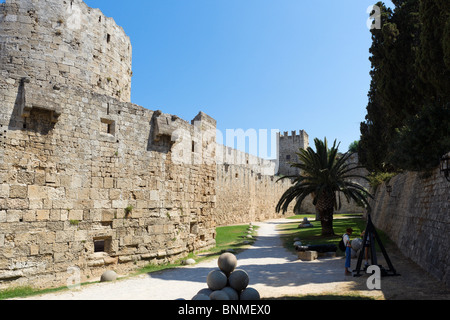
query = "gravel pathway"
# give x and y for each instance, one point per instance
(273, 271)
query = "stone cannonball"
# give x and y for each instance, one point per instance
(188, 262)
(201, 297)
(219, 295)
(357, 244)
(232, 294)
(227, 262)
(238, 280)
(108, 276)
(250, 294)
(205, 292)
(216, 280)
(297, 244)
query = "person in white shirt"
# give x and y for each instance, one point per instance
(348, 251)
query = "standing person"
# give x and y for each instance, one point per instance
(348, 251)
(366, 250)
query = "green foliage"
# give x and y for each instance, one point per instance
(74, 222)
(410, 59)
(312, 236)
(422, 141)
(433, 56)
(353, 148)
(378, 178)
(128, 210)
(232, 236)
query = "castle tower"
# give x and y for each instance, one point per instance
(50, 45)
(288, 146)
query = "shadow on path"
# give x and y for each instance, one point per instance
(268, 264)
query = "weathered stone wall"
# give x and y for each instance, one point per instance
(74, 153)
(65, 186)
(416, 216)
(64, 43)
(247, 188)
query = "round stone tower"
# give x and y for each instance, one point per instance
(50, 44)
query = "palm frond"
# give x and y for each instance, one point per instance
(324, 173)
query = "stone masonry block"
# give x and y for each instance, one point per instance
(18, 191)
(119, 204)
(25, 177)
(76, 215)
(65, 236)
(108, 183)
(307, 255)
(4, 190)
(37, 192)
(2, 216)
(42, 215)
(108, 215)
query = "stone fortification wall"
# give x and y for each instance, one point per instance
(58, 43)
(92, 181)
(416, 217)
(74, 154)
(247, 188)
(64, 188)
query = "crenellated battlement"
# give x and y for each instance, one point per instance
(293, 134)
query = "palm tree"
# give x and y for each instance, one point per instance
(323, 175)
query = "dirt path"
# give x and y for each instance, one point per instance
(273, 271)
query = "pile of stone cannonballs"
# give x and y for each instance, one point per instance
(227, 283)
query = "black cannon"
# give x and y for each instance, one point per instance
(320, 248)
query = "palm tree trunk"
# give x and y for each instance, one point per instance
(325, 209)
(326, 220)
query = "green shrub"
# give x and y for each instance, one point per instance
(378, 178)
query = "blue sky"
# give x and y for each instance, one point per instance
(252, 64)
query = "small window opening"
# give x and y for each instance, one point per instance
(99, 246)
(194, 228)
(102, 244)
(108, 38)
(288, 157)
(108, 126)
(193, 146)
